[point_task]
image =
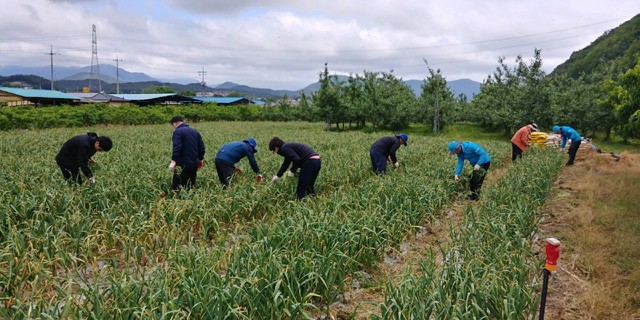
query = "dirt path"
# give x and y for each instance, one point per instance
(584, 213)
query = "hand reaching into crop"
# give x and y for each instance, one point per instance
(275, 178)
(290, 174)
(172, 165)
(457, 177)
(259, 178)
(476, 167)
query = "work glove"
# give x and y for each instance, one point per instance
(172, 165)
(290, 174)
(259, 178)
(476, 167)
(457, 177)
(388, 159)
(91, 181)
(237, 170)
(200, 164)
(275, 178)
(396, 165)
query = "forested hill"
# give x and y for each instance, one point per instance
(617, 48)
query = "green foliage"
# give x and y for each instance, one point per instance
(436, 101)
(29, 117)
(159, 89)
(513, 97)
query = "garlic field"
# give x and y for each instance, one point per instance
(125, 247)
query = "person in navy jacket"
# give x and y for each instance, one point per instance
(385, 149)
(76, 153)
(231, 153)
(188, 153)
(477, 157)
(568, 133)
(301, 156)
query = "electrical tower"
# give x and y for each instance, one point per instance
(202, 73)
(117, 74)
(95, 65)
(51, 53)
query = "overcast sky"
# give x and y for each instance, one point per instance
(284, 44)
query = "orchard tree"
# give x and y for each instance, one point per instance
(436, 100)
(327, 99)
(623, 97)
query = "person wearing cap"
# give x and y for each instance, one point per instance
(385, 149)
(520, 140)
(76, 154)
(301, 156)
(568, 133)
(231, 153)
(188, 153)
(477, 157)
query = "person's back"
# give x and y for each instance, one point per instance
(76, 150)
(188, 147)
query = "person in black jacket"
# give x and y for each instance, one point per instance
(76, 153)
(188, 153)
(385, 149)
(303, 157)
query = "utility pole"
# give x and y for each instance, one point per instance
(117, 74)
(95, 65)
(51, 53)
(202, 73)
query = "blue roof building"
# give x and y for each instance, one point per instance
(38, 97)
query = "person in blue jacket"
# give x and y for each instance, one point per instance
(385, 149)
(188, 153)
(566, 133)
(303, 157)
(230, 154)
(477, 157)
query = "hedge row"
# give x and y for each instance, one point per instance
(30, 117)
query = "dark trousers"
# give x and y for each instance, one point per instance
(184, 176)
(477, 178)
(308, 174)
(225, 171)
(378, 161)
(516, 152)
(70, 173)
(573, 149)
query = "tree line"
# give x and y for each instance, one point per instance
(606, 100)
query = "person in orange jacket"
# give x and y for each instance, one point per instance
(520, 140)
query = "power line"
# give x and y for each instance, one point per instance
(202, 73)
(117, 74)
(51, 53)
(95, 65)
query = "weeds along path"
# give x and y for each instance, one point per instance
(367, 290)
(593, 210)
(488, 261)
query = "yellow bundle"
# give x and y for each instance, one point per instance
(538, 138)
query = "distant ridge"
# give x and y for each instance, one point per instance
(71, 79)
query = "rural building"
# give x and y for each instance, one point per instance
(36, 97)
(226, 101)
(91, 97)
(156, 98)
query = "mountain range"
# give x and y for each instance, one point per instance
(75, 78)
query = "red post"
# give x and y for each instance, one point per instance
(551, 265)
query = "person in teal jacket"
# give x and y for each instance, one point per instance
(477, 157)
(230, 154)
(568, 133)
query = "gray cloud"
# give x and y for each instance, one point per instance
(284, 44)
